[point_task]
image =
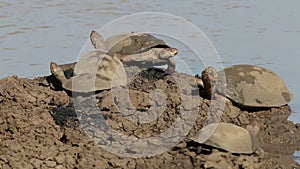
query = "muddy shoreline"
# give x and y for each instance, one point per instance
(40, 129)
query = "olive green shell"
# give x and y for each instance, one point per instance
(126, 43)
(253, 86)
(228, 137)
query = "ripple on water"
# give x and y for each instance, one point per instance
(9, 48)
(44, 26)
(6, 59)
(26, 28)
(7, 26)
(15, 32)
(39, 46)
(34, 64)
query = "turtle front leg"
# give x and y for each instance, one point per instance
(171, 65)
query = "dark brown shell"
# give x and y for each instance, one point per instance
(131, 43)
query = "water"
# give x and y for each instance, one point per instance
(33, 33)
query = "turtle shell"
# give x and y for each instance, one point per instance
(131, 43)
(253, 86)
(228, 137)
(96, 71)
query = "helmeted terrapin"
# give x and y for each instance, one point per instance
(252, 86)
(228, 137)
(139, 48)
(131, 47)
(94, 71)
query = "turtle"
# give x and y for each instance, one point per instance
(248, 86)
(94, 71)
(126, 48)
(147, 49)
(227, 136)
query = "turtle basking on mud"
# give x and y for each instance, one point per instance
(137, 48)
(95, 71)
(228, 137)
(246, 85)
(140, 48)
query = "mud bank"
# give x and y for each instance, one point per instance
(40, 129)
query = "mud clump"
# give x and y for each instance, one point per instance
(42, 127)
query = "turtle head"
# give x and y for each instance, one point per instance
(97, 40)
(209, 78)
(166, 53)
(210, 74)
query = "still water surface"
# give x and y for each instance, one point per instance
(266, 33)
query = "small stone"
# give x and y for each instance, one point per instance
(131, 164)
(140, 163)
(51, 164)
(243, 118)
(223, 164)
(233, 113)
(119, 162)
(60, 158)
(59, 167)
(210, 164)
(36, 162)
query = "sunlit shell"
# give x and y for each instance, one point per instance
(253, 86)
(228, 137)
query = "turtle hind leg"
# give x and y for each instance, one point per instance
(58, 72)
